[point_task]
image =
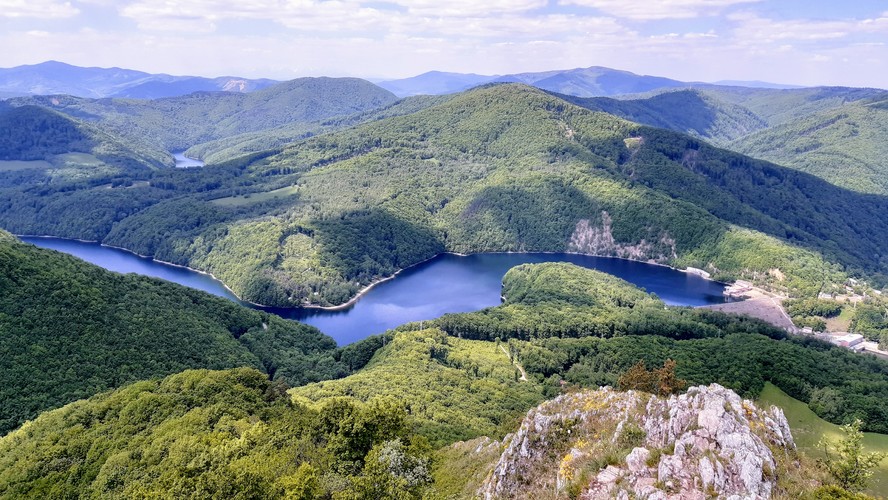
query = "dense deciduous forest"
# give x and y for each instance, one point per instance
(503, 167)
(563, 322)
(177, 123)
(412, 391)
(844, 146)
(218, 434)
(834, 133)
(71, 329)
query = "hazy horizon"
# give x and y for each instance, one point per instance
(791, 42)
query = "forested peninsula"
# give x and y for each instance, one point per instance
(497, 168)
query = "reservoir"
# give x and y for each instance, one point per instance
(447, 283)
(183, 161)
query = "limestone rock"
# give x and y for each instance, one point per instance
(705, 443)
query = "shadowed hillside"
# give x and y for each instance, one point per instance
(500, 168)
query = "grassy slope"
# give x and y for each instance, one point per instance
(71, 329)
(808, 429)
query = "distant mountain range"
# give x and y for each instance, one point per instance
(580, 82)
(176, 123)
(54, 77)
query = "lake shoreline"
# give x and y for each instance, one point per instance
(148, 257)
(183, 161)
(363, 291)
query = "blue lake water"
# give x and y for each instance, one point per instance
(448, 283)
(183, 161)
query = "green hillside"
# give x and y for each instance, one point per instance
(837, 134)
(454, 389)
(693, 112)
(808, 430)
(724, 114)
(781, 106)
(71, 329)
(42, 145)
(231, 147)
(846, 146)
(566, 322)
(499, 168)
(215, 434)
(177, 123)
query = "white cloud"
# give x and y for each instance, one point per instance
(306, 15)
(396, 38)
(468, 8)
(644, 10)
(751, 29)
(461, 18)
(43, 9)
(549, 26)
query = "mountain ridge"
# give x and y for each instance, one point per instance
(505, 167)
(582, 82)
(54, 77)
(177, 123)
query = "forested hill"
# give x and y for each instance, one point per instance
(499, 168)
(46, 137)
(847, 145)
(177, 123)
(724, 114)
(584, 82)
(837, 134)
(692, 112)
(71, 329)
(371, 434)
(235, 146)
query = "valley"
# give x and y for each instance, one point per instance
(451, 267)
(444, 284)
(354, 206)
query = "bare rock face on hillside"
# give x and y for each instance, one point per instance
(702, 444)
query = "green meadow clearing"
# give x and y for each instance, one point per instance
(808, 429)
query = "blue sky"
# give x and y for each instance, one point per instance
(806, 42)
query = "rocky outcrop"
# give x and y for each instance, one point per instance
(702, 444)
(590, 239)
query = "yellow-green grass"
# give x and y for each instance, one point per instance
(808, 429)
(13, 165)
(248, 199)
(80, 159)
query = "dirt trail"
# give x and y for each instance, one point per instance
(518, 365)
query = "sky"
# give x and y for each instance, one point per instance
(802, 42)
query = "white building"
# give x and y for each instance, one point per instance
(849, 340)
